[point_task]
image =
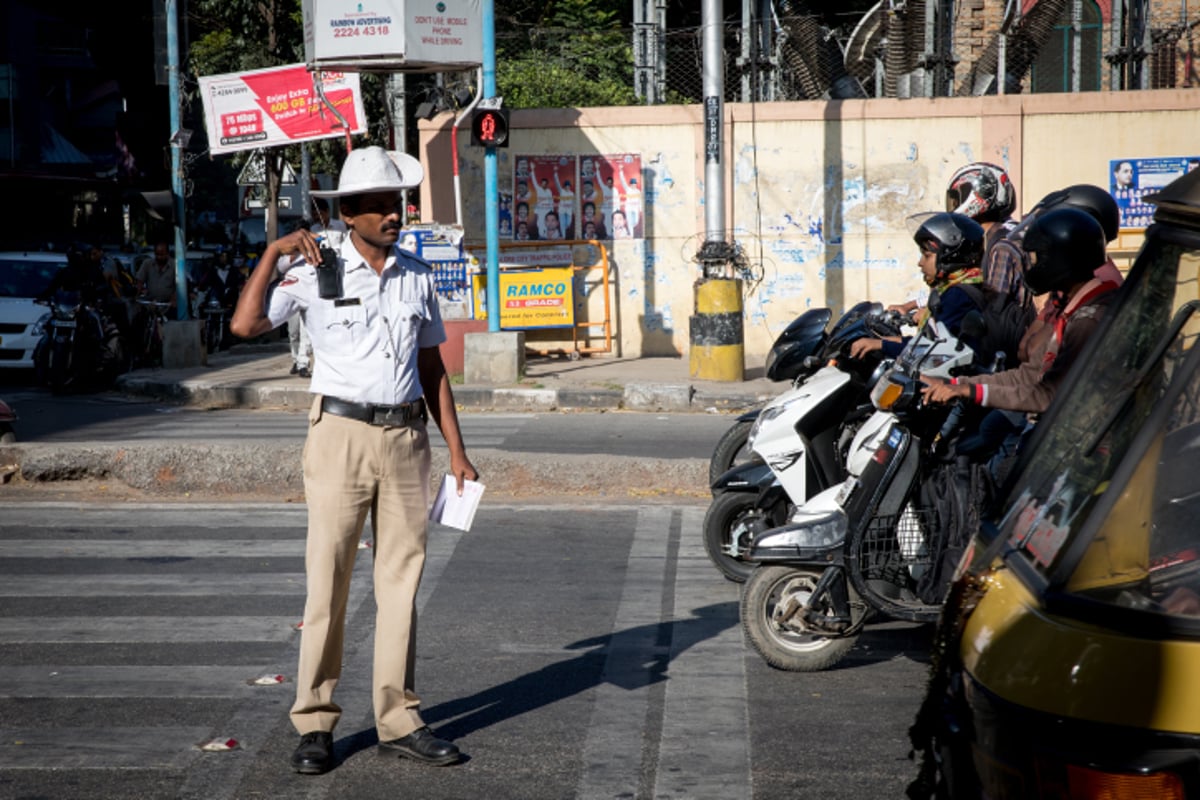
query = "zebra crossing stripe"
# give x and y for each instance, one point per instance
(136, 681)
(181, 585)
(612, 751)
(704, 749)
(153, 548)
(166, 747)
(143, 630)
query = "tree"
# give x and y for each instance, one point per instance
(575, 53)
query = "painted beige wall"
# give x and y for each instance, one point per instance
(817, 194)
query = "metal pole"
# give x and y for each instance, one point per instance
(306, 212)
(490, 183)
(176, 160)
(714, 105)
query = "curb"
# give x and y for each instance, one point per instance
(652, 397)
(233, 470)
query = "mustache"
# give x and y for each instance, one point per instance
(391, 226)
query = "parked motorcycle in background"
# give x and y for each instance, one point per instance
(216, 322)
(798, 441)
(883, 542)
(80, 348)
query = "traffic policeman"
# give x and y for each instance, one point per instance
(372, 313)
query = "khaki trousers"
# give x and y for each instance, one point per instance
(352, 468)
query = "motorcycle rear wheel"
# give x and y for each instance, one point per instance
(730, 450)
(766, 588)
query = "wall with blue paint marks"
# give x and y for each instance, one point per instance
(817, 193)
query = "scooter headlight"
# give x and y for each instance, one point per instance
(807, 531)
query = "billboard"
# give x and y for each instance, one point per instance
(393, 35)
(276, 106)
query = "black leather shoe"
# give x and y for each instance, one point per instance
(295, 368)
(304, 372)
(421, 745)
(314, 755)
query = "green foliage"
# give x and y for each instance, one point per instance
(574, 54)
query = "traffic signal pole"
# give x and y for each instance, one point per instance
(490, 183)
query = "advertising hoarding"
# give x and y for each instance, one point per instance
(393, 35)
(276, 106)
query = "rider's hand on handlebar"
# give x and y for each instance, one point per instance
(864, 346)
(946, 392)
(904, 308)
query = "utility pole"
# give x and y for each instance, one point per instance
(717, 348)
(177, 144)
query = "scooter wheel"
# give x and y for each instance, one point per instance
(726, 518)
(769, 587)
(730, 450)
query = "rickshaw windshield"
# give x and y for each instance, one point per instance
(1139, 365)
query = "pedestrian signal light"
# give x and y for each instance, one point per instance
(489, 127)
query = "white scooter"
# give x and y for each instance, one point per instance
(865, 545)
(797, 441)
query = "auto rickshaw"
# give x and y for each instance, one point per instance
(1067, 658)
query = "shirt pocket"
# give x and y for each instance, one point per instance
(342, 326)
(413, 317)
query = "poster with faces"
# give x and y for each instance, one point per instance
(545, 202)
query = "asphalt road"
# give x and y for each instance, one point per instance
(112, 417)
(587, 651)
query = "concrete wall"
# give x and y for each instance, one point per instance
(817, 192)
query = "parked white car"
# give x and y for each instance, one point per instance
(23, 276)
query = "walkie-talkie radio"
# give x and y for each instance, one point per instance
(329, 274)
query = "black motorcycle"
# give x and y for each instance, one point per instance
(80, 347)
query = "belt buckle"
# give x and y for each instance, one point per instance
(394, 416)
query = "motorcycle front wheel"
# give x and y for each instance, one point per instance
(730, 516)
(730, 450)
(783, 648)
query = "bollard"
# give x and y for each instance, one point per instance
(717, 347)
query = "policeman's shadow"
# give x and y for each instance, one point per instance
(630, 659)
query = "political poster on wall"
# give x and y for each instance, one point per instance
(275, 106)
(543, 198)
(1133, 179)
(611, 197)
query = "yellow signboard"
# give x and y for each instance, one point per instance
(530, 298)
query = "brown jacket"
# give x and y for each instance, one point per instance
(1030, 386)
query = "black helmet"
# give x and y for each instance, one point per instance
(956, 238)
(982, 191)
(1092, 199)
(1065, 246)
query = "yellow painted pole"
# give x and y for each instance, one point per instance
(718, 352)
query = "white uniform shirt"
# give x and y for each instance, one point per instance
(366, 343)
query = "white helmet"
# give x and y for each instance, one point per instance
(981, 191)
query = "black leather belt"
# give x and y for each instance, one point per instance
(391, 416)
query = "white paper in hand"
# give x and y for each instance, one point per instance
(453, 510)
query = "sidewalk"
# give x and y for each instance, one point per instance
(257, 376)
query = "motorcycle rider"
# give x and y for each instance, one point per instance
(224, 283)
(951, 247)
(985, 193)
(1066, 246)
(1001, 429)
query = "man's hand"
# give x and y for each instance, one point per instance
(462, 469)
(946, 392)
(864, 346)
(904, 308)
(299, 243)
